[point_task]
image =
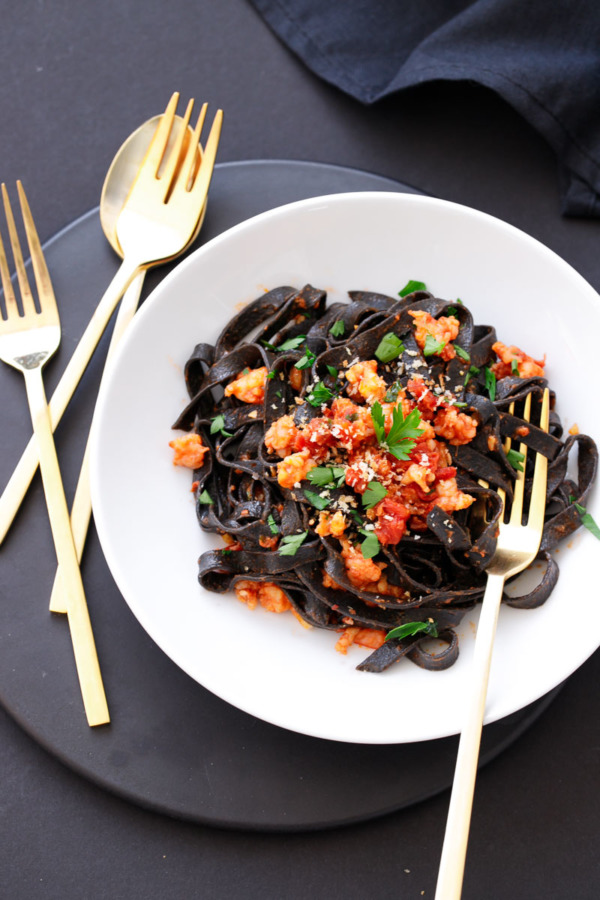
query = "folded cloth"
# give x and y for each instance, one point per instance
(541, 56)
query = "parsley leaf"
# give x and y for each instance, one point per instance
(272, 524)
(586, 518)
(370, 546)
(218, 425)
(392, 393)
(320, 394)
(389, 348)
(292, 343)
(374, 493)
(337, 329)
(306, 361)
(317, 501)
(332, 371)
(516, 459)
(432, 347)
(490, 383)
(462, 353)
(291, 542)
(412, 286)
(400, 439)
(322, 475)
(410, 628)
(205, 498)
(472, 371)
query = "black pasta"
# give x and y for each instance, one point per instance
(435, 575)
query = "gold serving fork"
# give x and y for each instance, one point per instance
(28, 338)
(517, 547)
(156, 223)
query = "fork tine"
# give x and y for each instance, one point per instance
(26, 295)
(537, 502)
(42, 276)
(516, 510)
(158, 144)
(202, 182)
(10, 301)
(190, 157)
(172, 165)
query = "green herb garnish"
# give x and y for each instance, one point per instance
(271, 376)
(272, 524)
(389, 348)
(410, 628)
(320, 394)
(411, 286)
(292, 343)
(317, 501)
(205, 498)
(472, 371)
(516, 459)
(514, 366)
(400, 439)
(432, 347)
(306, 361)
(392, 393)
(586, 518)
(490, 383)
(291, 542)
(218, 426)
(322, 475)
(462, 353)
(332, 371)
(337, 329)
(370, 546)
(374, 493)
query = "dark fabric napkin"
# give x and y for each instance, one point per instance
(541, 56)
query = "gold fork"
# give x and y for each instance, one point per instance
(517, 547)
(156, 223)
(29, 338)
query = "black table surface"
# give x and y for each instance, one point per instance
(76, 79)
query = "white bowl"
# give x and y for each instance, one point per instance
(266, 664)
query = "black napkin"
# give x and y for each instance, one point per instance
(542, 56)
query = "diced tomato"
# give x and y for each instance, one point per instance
(391, 521)
(446, 472)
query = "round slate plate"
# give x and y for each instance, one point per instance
(172, 746)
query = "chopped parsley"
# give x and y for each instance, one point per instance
(272, 524)
(490, 383)
(462, 353)
(432, 347)
(374, 493)
(586, 518)
(322, 475)
(451, 310)
(332, 371)
(516, 459)
(389, 348)
(205, 498)
(412, 286)
(218, 426)
(400, 439)
(292, 343)
(410, 628)
(271, 376)
(291, 542)
(392, 393)
(370, 546)
(337, 329)
(472, 371)
(317, 501)
(306, 361)
(514, 366)
(320, 394)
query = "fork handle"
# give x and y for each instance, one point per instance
(454, 851)
(82, 503)
(86, 658)
(17, 486)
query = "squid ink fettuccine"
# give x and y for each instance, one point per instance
(350, 454)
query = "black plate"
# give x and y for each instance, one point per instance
(172, 746)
